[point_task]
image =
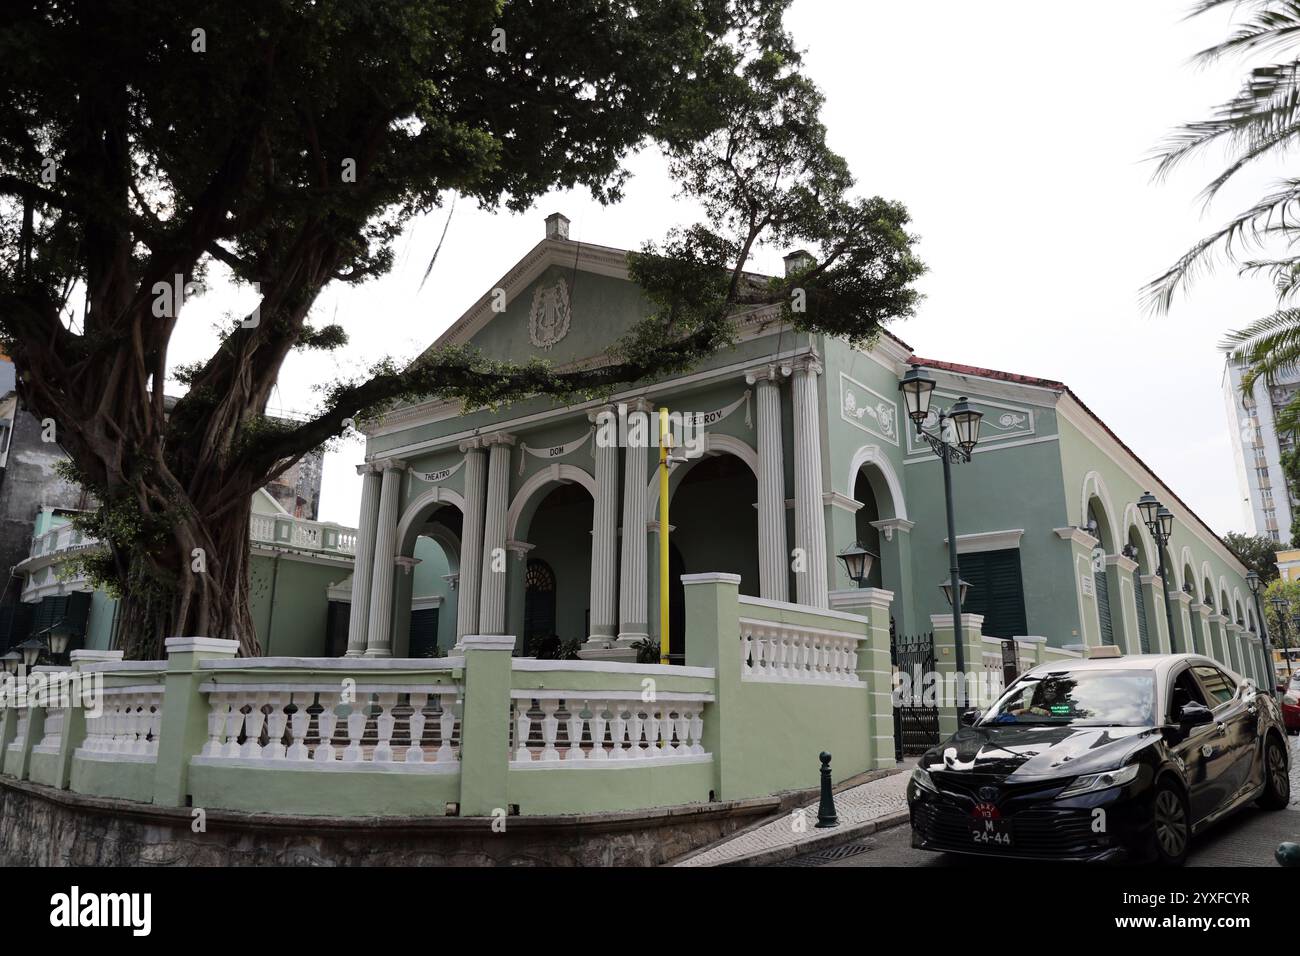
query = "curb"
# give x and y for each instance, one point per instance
(837, 835)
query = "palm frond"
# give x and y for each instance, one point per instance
(1269, 347)
(1280, 210)
(1262, 116)
(1275, 25)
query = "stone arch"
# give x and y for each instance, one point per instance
(884, 479)
(418, 511)
(1094, 489)
(1188, 573)
(1135, 533)
(528, 496)
(714, 444)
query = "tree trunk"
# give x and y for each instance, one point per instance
(194, 584)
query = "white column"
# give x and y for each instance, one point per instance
(379, 635)
(633, 619)
(363, 560)
(492, 603)
(471, 542)
(809, 516)
(773, 569)
(604, 544)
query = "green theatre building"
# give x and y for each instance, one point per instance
(518, 521)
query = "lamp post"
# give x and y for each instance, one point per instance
(31, 650)
(1270, 668)
(1160, 523)
(857, 563)
(60, 636)
(917, 387)
(1279, 604)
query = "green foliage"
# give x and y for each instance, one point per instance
(1258, 552)
(1290, 592)
(647, 651)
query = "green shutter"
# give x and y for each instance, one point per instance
(424, 633)
(996, 591)
(1143, 639)
(1103, 606)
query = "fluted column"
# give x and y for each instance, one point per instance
(471, 541)
(604, 544)
(363, 560)
(809, 516)
(379, 633)
(633, 618)
(773, 569)
(492, 602)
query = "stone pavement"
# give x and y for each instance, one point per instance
(863, 809)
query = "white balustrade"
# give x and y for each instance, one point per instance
(557, 730)
(286, 727)
(789, 653)
(308, 535)
(127, 725)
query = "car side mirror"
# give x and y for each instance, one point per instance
(967, 718)
(1194, 714)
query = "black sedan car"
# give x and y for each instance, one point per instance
(1108, 759)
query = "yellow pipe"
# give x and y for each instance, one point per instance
(665, 439)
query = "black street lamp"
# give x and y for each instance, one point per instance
(31, 650)
(857, 563)
(962, 589)
(1160, 523)
(1280, 607)
(917, 387)
(1252, 580)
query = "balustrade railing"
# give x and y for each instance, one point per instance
(127, 726)
(52, 735)
(773, 651)
(561, 728)
(331, 728)
(288, 531)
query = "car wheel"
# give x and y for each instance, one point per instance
(1277, 782)
(1172, 825)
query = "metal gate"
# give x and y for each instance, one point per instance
(916, 727)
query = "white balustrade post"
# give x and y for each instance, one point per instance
(383, 751)
(326, 722)
(597, 725)
(523, 727)
(414, 751)
(299, 724)
(446, 728)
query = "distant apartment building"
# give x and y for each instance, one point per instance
(1267, 503)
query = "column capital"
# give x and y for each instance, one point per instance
(407, 564)
(810, 364)
(639, 404)
(887, 526)
(606, 408)
(498, 438)
(391, 464)
(368, 468)
(471, 444)
(770, 374)
(519, 549)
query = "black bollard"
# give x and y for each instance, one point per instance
(1287, 854)
(826, 809)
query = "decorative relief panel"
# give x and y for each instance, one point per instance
(1001, 422)
(867, 409)
(549, 317)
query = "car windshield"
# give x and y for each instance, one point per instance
(1123, 698)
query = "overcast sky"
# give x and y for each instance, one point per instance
(1017, 133)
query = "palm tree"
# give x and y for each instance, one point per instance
(1261, 120)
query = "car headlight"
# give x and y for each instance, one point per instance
(921, 777)
(1092, 782)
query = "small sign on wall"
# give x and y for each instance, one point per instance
(1085, 583)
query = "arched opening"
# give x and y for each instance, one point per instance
(1225, 608)
(1100, 529)
(559, 531)
(539, 606)
(867, 534)
(425, 589)
(715, 521)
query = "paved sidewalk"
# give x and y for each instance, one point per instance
(862, 809)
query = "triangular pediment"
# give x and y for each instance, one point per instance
(564, 301)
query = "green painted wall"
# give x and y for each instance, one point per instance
(288, 603)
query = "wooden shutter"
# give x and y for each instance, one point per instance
(1143, 639)
(996, 591)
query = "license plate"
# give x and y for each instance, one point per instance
(990, 832)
